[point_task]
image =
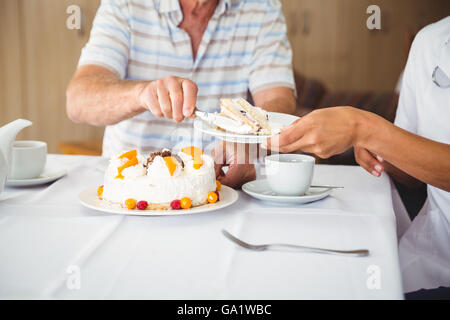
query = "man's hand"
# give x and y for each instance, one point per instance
(170, 97)
(326, 132)
(237, 158)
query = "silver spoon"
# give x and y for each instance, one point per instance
(327, 187)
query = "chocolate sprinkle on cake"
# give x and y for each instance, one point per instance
(164, 153)
(179, 160)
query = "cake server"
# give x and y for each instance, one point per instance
(222, 122)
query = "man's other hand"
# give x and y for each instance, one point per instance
(240, 167)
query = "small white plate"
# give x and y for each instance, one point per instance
(47, 176)
(89, 198)
(276, 120)
(260, 189)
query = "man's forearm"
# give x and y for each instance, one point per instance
(100, 99)
(276, 100)
(421, 158)
(283, 105)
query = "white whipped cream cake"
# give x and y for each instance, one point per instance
(160, 181)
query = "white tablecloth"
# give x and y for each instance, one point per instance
(47, 239)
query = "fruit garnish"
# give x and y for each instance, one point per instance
(212, 197)
(100, 191)
(218, 185)
(218, 196)
(175, 204)
(130, 204)
(142, 205)
(119, 176)
(196, 155)
(132, 162)
(171, 164)
(198, 162)
(185, 203)
(192, 151)
(129, 155)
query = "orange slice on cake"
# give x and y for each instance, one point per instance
(171, 164)
(132, 162)
(129, 154)
(196, 155)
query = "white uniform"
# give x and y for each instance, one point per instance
(424, 109)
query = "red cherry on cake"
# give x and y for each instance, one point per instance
(142, 205)
(176, 204)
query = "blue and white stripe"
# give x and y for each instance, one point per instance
(244, 49)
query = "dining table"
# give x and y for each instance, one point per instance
(52, 247)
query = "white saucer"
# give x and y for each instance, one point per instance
(260, 189)
(89, 198)
(47, 176)
(276, 120)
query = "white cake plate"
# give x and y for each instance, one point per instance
(89, 199)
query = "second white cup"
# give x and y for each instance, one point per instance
(289, 174)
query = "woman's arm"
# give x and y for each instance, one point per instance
(421, 158)
(331, 131)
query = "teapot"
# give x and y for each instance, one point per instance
(8, 134)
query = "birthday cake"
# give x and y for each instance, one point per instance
(160, 181)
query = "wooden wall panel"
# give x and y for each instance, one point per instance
(40, 56)
(11, 106)
(51, 52)
(331, 42)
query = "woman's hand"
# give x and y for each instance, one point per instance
(170, 97)
(372, 163)
(326, 132)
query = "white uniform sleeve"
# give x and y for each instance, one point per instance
(109, 42)
(406, 117)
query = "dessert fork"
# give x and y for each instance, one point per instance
(280, 246)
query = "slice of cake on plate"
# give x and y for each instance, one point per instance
(160, 181)
(245, 114)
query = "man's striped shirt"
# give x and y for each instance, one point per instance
(243, 50)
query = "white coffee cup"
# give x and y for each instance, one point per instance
(28, 159)
(289, 174)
